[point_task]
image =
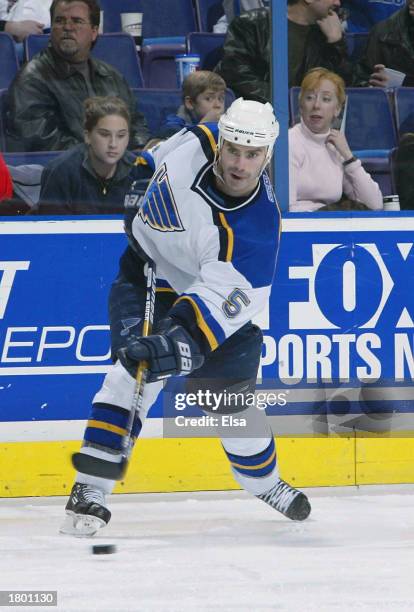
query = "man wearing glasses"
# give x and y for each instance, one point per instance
(46, 98)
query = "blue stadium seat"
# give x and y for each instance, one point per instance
(404, 109)
(119, 50)
(33, 44)
(158, 65)
(161, 18)
(370, 128)
(208, 46)
(36, 157)
(380, 170)
(9, 64)
(156, 104)
(208, 13)
(115, 49)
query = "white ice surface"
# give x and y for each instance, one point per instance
(219, 551)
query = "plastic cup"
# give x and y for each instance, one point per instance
(395, 77)
(391, 202)
(132, 24)
(185, 65)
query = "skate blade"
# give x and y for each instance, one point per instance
(81, 525)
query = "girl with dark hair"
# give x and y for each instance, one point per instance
(93, 177)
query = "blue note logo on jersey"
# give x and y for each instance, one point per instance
(159, 209)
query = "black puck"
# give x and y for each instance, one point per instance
(103, 549)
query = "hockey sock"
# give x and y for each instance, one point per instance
(253, 463)
(108, 419)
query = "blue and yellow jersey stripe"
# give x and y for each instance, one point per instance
(226, 236)
(145, 159)
(211, 329)
(207, 135)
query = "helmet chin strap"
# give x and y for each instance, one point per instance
(216, 171)
(263, 168)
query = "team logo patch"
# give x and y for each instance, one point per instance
(128, 324)
(159, 210)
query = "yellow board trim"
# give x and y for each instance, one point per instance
(255, 467)
(384, 458)
(107, 427)
(230, 237)
(201, 322)
(200, 464)
(210, 136)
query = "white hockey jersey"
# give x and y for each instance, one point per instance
(217, 252)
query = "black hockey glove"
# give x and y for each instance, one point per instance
(171, 353)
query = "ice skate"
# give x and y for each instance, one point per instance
(85, 511)
(289, 501)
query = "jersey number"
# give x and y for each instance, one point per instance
(233, 305)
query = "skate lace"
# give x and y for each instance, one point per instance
(91, 494)
(280, 496)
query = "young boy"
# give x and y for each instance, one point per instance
(203, 101)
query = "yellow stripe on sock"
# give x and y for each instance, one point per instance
(107, 427)
(255, 467)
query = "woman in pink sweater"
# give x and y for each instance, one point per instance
(321, 164)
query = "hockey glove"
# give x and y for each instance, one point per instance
(172, 353)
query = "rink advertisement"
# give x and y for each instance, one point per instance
(341, 318)
(338, 344)
(343, 306)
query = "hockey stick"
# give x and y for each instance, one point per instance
(95, 466)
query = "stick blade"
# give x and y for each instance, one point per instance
(99, 467)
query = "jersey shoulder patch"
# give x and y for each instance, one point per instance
(159, 209)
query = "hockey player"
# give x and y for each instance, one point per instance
(210, 222)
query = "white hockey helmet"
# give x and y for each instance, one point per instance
(249, 123)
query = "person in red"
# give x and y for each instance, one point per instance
(6, 185)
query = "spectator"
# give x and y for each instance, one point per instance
(390, 46)
(92, 178)
(362, 15)
(403, 172)
(203, 101)
(315, 38)
(46, 98)
(321, 164)
(233, 8)
(6, 185)
(23, 17)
